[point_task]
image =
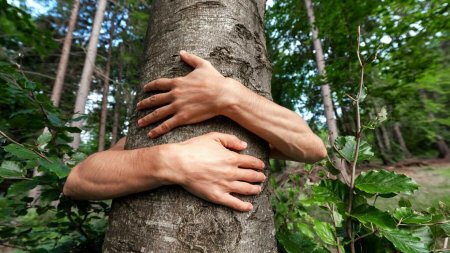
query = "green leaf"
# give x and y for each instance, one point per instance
(294, 242)
(44, 138)
(55, 166)
(345, 146)
(369, 214)
(21, 189)
(54, 119)
(406, 241)
(404, 202)
(408, 216)
(325, 231)
(20, 152)
(384, 182)
(10, 169)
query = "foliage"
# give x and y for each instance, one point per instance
(336, 216)
(51, 222)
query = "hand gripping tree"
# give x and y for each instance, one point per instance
(228, 33)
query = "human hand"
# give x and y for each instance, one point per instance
(198, 96)
(206, 167)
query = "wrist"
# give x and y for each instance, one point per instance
(168, 165)
(231, 98)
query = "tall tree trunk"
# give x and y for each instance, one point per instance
(444, 151)
(326, 91)
(384, 157)
(117, 99)
(88, 69)
(63, 61)
(230, 34)
(106, 79)
(400, 140)
(386, 139)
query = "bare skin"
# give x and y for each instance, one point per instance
(205, 165)
(286, 132)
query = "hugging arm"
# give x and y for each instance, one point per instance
(205, 93)
(203, 165)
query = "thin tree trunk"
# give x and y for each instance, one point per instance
(326, 91)
(386, 139)
(88, 69)
(444, 151)
(104, 108)
(384, 157)
(63, 61)
(230, 34)
(400, 140)
(117, 99)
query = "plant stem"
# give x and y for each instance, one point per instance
(358, 143)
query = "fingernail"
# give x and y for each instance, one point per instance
(249, 207)
(182, 52)
(140, 122)
(138, 104)
(244, 144)
(150, 135)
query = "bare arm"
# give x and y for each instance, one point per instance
(205, 93)
(203, 165)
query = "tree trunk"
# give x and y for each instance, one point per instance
(106, 79)
(386, 139)
(63, 61)
(326, 91)
(88, 69)
(117, 99)
(230, 34)
(400, 140)
(444, 151)
(384, 157)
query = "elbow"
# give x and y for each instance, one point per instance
(318, 152)
(70, 184)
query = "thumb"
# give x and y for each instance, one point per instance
(191, 59)
(230, 141)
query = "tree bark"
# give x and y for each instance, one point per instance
(325, 88)
(230, 34)
(88, 69)
(400, 140)
(64, 60)
(106, 79)
(117, 99)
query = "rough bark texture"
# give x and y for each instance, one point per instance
(229, 33)
(385, 157)
(400, 140)
(88, 69)
(325, 88)
(104, 108)
(63, 61)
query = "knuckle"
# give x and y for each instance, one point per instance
(165, 127)
(155, 113)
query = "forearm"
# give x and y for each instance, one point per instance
(114, 173)
(286, 132)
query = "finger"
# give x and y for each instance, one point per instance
(156, 115)
(191, 59)
(244, 188)
(247, 175)
(165, 127)
(229, 141)
(155, 100)
(235, 203)
(250, 162)
(159, 84)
